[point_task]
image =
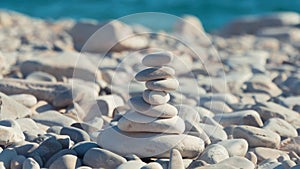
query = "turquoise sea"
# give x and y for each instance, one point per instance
(213, 13)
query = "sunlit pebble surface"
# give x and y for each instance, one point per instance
(238, 95)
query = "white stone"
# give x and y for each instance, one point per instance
(257, 137)
(281, 127)
(164, 111)
(170, 125)
(157, 59)
(214, 154)
(155, 74)
(169, 84)
(149, 144)
(156, 97)
(244, 117)
(235, 147)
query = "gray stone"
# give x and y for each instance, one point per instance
(214, 154)
(215, 133)
(59, 155)
(26, 148)
(157, 59)
(30, 163)
(111, 36)
(169, 84)
(101, 158)
(82, 147)
(76, 135)
(154, 74)
(257, 137)
(58, 94)
(66, 162)
(46, 150)
(244, 117)
(25, 99)
(11, 109)
(141, 144)
(77, 66)
(10, 132)
(52, 118)
(176, 161)
(281, 127)
(6, 156)
(235, 147)
(269, 110)
(40, 76)
(262, 84)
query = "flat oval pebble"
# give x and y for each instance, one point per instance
(214, 153)
(170, 125)
(169, 84)
(66, 162)
(102, 158)
(156, 97)
(134, 164)
(154, 74)
(235, 147)
(245, 117)
(52, 118)
(149, 144)
(82, 147)
(76, 135)
(263, 153)
(157, 59)
(164, 111)
(257, 137)
(281, 127)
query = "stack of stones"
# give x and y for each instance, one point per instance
(152, 127)
(151, 112)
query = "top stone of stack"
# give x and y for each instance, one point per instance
(157, 59)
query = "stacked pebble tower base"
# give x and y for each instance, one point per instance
(152, 127)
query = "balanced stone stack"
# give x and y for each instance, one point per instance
(152, 127)
(151, 112)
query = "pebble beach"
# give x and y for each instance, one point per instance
(112, 95)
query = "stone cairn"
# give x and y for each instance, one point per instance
(152, 127)
(151, 111)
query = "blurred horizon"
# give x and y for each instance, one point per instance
(213, 14)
